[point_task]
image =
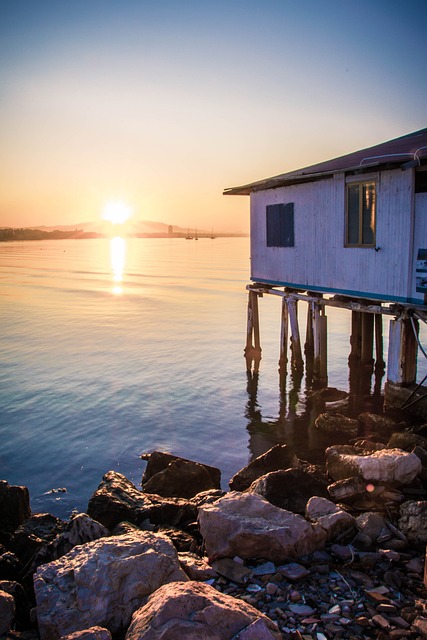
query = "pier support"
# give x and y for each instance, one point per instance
(402, 352)
(315, 347)
(296, 356)
(253, 345)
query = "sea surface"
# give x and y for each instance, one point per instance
(114, 347)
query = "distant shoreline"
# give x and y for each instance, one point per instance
(13, 235)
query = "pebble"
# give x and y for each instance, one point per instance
(342, 593)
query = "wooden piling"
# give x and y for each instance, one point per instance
(253, 345)
(379, 354)
(356, 335)
(296, 356)
(366, 356)
(402, 352)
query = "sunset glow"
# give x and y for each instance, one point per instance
(116, 212)
(169, 105)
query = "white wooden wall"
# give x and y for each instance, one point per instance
(319, 258)
(420, 235)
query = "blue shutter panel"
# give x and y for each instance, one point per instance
(280, 225)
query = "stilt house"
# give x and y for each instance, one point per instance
(355, 225)
(354, 228)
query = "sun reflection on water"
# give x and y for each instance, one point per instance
(118, 261)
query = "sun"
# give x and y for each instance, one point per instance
(116, 212)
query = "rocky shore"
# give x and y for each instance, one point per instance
(292, 550)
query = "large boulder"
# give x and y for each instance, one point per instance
(173, 477)
(388, 466)
(102, 583)
(290, 489)
(117, 499)
(14, 506)
(336, 423)
(413, 521)
(377, 423)
(246, 525)
(196, 611)
(279, 457)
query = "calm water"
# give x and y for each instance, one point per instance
(115, 347)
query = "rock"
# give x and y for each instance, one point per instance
(406, 441)
(94, 633)
(371, 524)
(196, 568)
(22, 603)
(10, 566)
(232, 570)
(182, 541)
(336, 423)
(117, 499)
(290, 489)
(276, 458)
(347, 489)
(388, 466)
(36, 532)
(420, 625)
(194, 611)
(171, 476)
(7, 612)
(329, 516)
(293, 571)
(79, 530)
(413, 521)
(374, 422)
(245, 524)
(14, 506)
(102, 583)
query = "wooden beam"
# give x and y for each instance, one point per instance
(402, 352)
(296, 357)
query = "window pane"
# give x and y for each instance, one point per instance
(353, 214)
(368, 214)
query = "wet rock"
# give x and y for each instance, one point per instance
(117, 500)
(194, 610)
(249, 526)
(275, 459)
(171, 476)
(35, 533)
(181, 479)
(7, 612)
(406, 441)
(413, 521)
(388, 466)
(102, 583)
(94, 633)
(14, 506)
(347, 489)
(329, 516)
(336, 423)
(377, 423)
(290, 489)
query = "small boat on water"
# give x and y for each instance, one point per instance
(188, 236)
(195, 237)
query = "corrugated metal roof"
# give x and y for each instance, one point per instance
(412, 146)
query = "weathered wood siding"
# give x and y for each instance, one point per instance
(319, 260)
(420, 236)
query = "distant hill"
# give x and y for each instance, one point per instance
(101, 228)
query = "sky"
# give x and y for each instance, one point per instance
(162, 104)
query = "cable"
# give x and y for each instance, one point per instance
(417, 338)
